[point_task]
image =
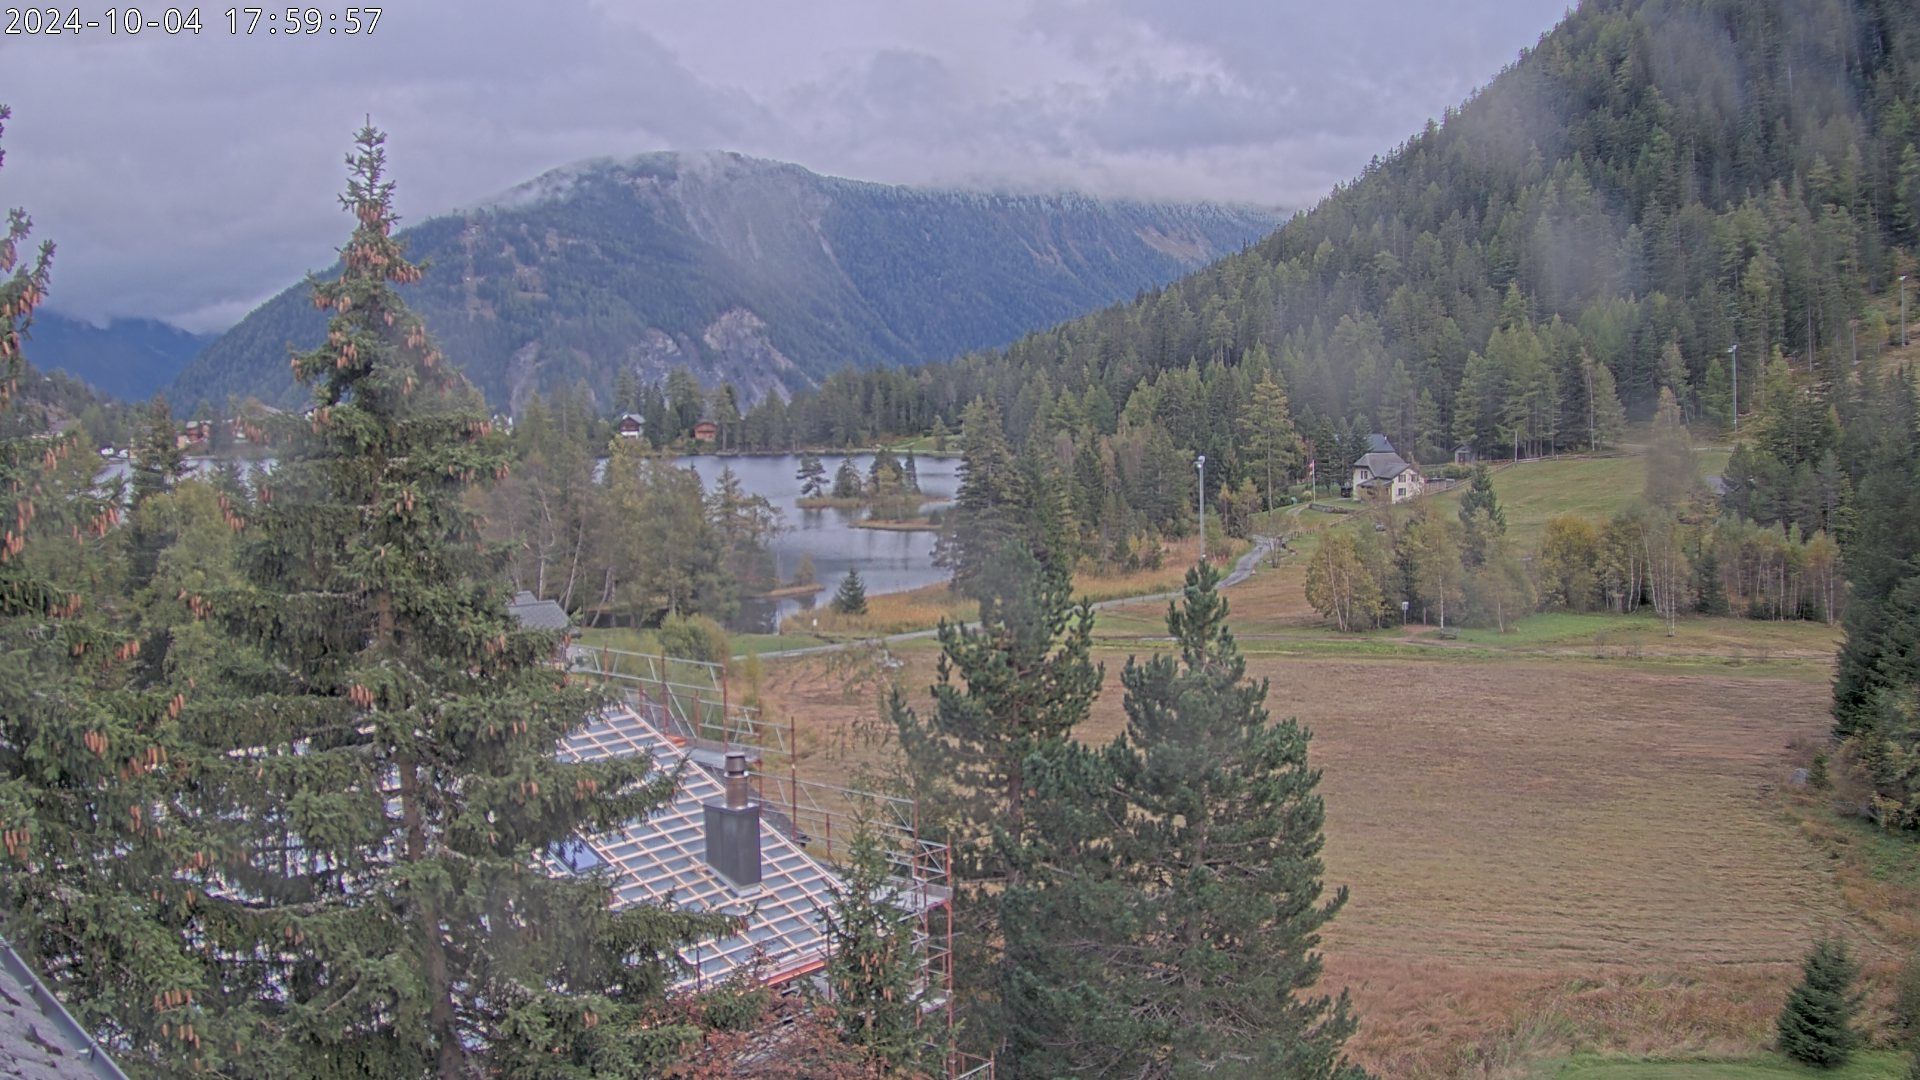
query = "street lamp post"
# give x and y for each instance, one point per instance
(1733, 350)
(1200, 463)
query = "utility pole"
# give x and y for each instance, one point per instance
(1201, 464)
(1734, 351)
(1903, 311)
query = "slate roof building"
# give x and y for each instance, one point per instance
(1382, 474)
(39, 1039)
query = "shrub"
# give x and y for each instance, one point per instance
(694, 637)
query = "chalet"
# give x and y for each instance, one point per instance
(630, 425)
(195, 432)
(706, 431)
(1382, 475)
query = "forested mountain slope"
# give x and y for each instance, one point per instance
(754, 272)
(130, 359)
(1655, 182)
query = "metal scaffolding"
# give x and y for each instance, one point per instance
(690, 702)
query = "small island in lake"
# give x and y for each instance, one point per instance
(890, 491)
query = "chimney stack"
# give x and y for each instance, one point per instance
(733, 827)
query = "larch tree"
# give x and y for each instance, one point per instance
(1271, 437)
(379, 793)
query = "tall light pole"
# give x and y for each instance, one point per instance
(1903, 311)
(1200, 463)
(1733, 350)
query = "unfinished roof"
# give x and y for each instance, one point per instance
(662, 860)
(536, 614)
(39, 1040)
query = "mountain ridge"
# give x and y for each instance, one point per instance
(743, 270)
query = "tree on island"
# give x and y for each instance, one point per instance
(911, 470)
(846, 480)
(812, 476)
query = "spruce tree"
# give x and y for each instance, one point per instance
(378, 791)
(985, 516)
(1481, 516)
(1170, 924)
(80, 747)
(875, 976)
(851, 597)
(1816, 1024)
(910, 469)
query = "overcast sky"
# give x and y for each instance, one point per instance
(189, 178)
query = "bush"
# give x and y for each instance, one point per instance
(694, 637)
(1816, 1025)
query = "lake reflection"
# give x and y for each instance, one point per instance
(888, 561)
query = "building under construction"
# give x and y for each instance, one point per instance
(746, 834)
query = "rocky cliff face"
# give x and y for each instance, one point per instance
(754, 272)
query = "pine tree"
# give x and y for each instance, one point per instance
(851, 598)
(911, 469)
(812, 476)
(378, 791)
(1816, 1024)
(1012, 687)
(1196, 951)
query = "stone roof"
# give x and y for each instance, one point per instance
(39, 1039)
(535, 614)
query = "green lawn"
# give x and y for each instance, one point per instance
(1877, 1066)
(1597, 487)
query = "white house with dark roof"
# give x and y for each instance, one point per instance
(1382, 475)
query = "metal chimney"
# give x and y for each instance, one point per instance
(733, 827)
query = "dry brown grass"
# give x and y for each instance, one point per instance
(1544, 856)
(923, 608)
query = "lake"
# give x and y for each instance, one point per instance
(887, 561)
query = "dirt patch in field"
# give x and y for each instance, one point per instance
(1542, 855)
